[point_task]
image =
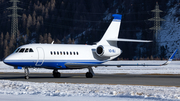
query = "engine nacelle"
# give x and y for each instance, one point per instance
(107, 51)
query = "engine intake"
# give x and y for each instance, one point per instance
(107, 51)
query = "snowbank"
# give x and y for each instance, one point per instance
(87, 90)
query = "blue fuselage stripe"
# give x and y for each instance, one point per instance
(49, 63)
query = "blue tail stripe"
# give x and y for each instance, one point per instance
(117, 16)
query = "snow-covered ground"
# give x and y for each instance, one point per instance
(172, 68)
(32, 91)
(35, 91)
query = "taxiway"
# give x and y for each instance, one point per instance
(129, 79)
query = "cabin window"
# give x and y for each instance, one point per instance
(70, 53)
(51, 53)
(67, 53)
(26, 50)
(64, 53)
(30, 50)
(74, 53)
(54, 53)
(77, 53)
(17, 50)
(22, 50)
(61, 53)
(57, 53)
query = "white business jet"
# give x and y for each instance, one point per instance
(64, 56)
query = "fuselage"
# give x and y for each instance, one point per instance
(54, 56)
(58, 56)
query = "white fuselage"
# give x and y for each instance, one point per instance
(55, 55)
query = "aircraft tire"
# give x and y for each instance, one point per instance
(26, 77)
(89, 75)
(57, 75)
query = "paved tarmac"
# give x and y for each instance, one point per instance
(130, 79)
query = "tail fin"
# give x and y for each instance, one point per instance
(111, 35)
(112, 32)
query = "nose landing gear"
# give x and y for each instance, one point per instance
(26, 71)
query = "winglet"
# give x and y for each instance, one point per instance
(171, 58)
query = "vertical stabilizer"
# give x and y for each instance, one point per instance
(112, 32)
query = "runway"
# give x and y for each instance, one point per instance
(129, 79)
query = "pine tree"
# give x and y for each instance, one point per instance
(29, 21)
(7, 36)
(6, 51)
(49, 39)
(1, 45)
(69, 41)
(58, 41)
(11, 43)
(40, 39)
(1, 40)
(5, 43)
(37, 26)
(53, 2)
(24, 19)
(45, 38)
(73, 42)
(34, 20)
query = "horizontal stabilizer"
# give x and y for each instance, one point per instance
(128, 40)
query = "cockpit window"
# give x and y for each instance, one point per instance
(26, 50)
(22, 50)
(30, 50)
(17, 50)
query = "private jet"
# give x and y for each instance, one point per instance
(74, 56)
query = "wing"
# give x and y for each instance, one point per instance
(86, 65)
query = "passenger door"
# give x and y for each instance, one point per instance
(41, 56)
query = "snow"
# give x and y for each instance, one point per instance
(54, 98)
(19, 90)
(90, 91)
(169, 33)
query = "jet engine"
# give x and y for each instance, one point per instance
(107, 51)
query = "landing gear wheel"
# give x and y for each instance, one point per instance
(56, 74)
(26, 77)
(89, 75)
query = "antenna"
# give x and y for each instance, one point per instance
(14, 23)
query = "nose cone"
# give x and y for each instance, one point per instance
(6, 60)
(9, 60)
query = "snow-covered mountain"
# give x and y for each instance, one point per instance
(169, 35)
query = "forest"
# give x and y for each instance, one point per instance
(81, 22)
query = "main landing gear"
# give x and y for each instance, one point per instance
(90, 74)
(56, 74)
(26, 71)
